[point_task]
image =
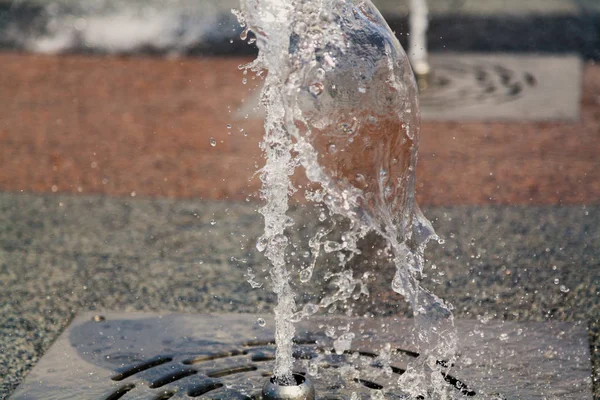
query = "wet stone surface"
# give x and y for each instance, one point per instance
(60, 255)
(230, 357)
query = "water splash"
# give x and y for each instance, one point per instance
(340, 95)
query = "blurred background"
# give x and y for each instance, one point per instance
(116, 97)
(129, 146)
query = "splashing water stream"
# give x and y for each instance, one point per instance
(341, 102)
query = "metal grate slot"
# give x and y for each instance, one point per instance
(461, 386)
(262, 357)
(368, 384)
(304, 342)
(397, 370)
(164, 396)
(230, 371)
(304, 355)
(199, 390)
(361, 353)
(407, 352)
(128, 371)
(259, 343)
(214, 356)
(172, 377)
(120, 392)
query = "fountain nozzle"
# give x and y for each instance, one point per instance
(302, 390)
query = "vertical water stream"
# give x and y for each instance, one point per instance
(341, 102)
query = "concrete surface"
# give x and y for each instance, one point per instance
(60, 255)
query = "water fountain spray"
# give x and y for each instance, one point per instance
(341, 96)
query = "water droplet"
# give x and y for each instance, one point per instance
(244, 81)
(261, 322)
(556, 281)
(316, 88)
(310, 308)
(362, 90)
(343, 343)
(313, 369)
(213, 222)
(564, 289)
(213, 142)
(305, 275)
(279, 241)
(261, 244)
(331, 246)
(331, 148)
(346, 128)
(228, 126)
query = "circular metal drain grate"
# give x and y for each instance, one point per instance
(239, 373)
(140, 356)
(475, 87)
(463, 82)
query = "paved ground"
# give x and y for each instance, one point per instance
(62, 254)
(142, 126)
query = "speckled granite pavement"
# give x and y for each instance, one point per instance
(60, 255)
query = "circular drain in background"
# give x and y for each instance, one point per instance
(459, 83)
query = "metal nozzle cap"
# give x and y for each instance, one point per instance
(303, 390)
